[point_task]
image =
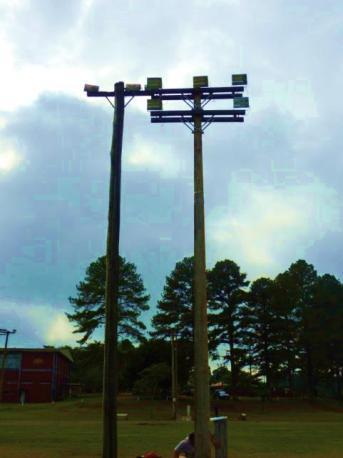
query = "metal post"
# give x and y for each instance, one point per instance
(110, 381)
(4, 357)
(220, 434)
(202, 404)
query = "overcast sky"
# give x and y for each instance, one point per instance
(273, 187)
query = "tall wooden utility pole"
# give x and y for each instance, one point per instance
(202, 389)
(110, 376)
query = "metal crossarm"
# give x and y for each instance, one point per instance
(205, 96)
(234, 91)
(189, 119)
(186, 95)
(194, 112)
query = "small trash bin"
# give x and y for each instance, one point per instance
(220, 434)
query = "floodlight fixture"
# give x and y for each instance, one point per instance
(154, 104)
(91, 88)
(200, 81)
(239, 80)
(241, 102)
(154, 83)
(133, 87)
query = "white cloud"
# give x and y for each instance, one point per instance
(24, 79)
(60, 332)
(264, 228)
(292, 96)
(64, 78)
(3, 121)
(60, 50)
(37, 325)
(153, 156)
(208, 3)
(9, 159)
(13, 4)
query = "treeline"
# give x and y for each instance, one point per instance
(144, 369)
(286, 332)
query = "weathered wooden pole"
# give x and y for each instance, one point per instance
(110, 376)
(202, 402)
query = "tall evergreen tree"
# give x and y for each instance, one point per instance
(261, 329)
(89, 304)
(175, 314)
(175, 309)
(288, 332)
(225, 295)
(327, 332)
(302, 279)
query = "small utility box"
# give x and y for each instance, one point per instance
(220, 434)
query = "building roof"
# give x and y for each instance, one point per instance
(63, 351)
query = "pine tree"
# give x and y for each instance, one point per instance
(327, 332)
(89, 304)
(261, 323)
(302, 279)
(285, 299)
(175, 313)
(175, 309)
(225, 295)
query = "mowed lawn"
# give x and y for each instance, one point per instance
(281, 429)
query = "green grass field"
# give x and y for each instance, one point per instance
(281, 429)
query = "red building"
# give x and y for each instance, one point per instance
(36, 375)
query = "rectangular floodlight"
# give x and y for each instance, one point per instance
(241, 102)
(200, 81)
(133, 87)
(154, 83)
(239, 80)
(154, 104)
(91, 88)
